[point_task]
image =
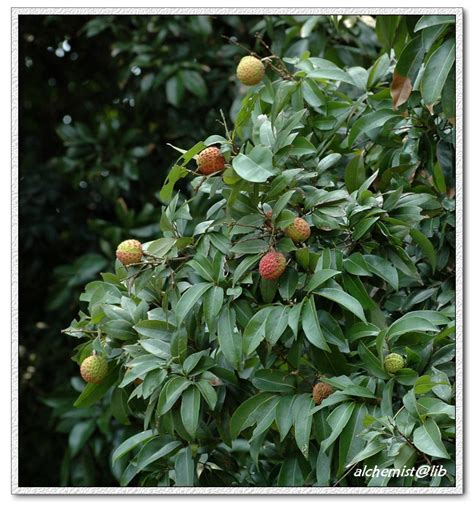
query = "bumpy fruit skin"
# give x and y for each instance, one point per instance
(210, 160)
(250, 71)
(94, 369)
(272, 265)
(299, 231)
(393, 362)
(321, 391)
(129, 251)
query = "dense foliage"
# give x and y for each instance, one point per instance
(211, 367)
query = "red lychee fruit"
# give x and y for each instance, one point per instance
(299, 231)
(210, 160)
(321, 391)
(129, 251)
(272, 265)
(94, 369)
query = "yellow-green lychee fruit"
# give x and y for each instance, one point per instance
(393, 362)
(94, 369)
(129, 251)
(299, 230)
(250, 71)
(321, 391)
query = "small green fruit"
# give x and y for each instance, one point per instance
(94, 369)
(250, 71)
(393, 362)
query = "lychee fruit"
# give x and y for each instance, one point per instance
(321, 391)
(210, 160)
(272, 265)
(94, 369)
(299, 231)
(250, 71)
(129, 251)
(268, 220)
(393, 362)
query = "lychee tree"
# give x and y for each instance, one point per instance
(295, 318)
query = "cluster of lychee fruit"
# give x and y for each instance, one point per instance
(250, 71)
(273, 264)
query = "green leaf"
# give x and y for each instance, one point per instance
(170, 393)
(370, 121)
(436, 72)
(189, 299)
(343, 299)
(426, 246)
(386, 29)
(131, 443)
(213, 300)
(427, 438)
(274, 380)
(284, 416)
(290, 473)
(184, 468)
(371, 449)
(176, 173)
(160, 247)
(319, 278)
(194, 82)
(371, 363)
(276, 324)
(254, 332)
(409, 323)
(406, 71)
(327, 162)
(79, 435)
(229, 340)
(120, 329)
(246, 413)
(383, 269)
(303, 419)
(244, 266)
(434, 407)
(119, 406)
(337, 419)
(257, 166)
(350, 440)
(281, 204)
(311, 326)
(325, 69)
(363, 227)
(429, 21)
(190, 406)
(155, 449)
(207, 392)
(354, 175)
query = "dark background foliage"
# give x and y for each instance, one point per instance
(100, 99)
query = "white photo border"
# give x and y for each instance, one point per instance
(458, 489)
